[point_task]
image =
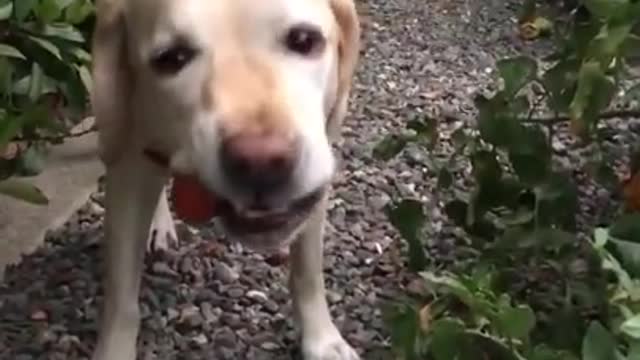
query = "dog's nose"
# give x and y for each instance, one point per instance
(261, 163)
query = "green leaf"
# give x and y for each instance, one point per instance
(634, 350)
(497, 124)
(426, 130)
(631, 327)
(598, 343)
(403, 319)
(389, 147)
(530, 156)
(47, 11)
(545, 352)
(23, 8)
(445, 179)
(78, 11)
(594, 93)
(36, 82)
(47, 45)
(7, 69)
(625, 242)
(23, 191)
(85, 76)
(516, 73)
(516, 322)
(9, 128)
(607, 44)
(64, 32)
(605, 8)
(6, 9)
(32, 161)
(447, 336)
(556, 201)
(453, 284)
(560, 82)
(543, 238)
(486, 168)
(485, 346)
(601, 236)
(80, 54)
(456, 210)
(409, 219)
(10, 51)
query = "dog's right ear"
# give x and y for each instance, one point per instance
(347, 20)
(111, 73)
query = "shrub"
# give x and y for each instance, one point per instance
(538, 288)
(44, 77)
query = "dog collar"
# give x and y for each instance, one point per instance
(157, 158)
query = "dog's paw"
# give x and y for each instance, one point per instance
(162, 234)
(328, 346)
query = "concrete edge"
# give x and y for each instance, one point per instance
(69, 178)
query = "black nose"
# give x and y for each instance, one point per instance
(259, 163)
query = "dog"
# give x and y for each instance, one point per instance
(248, 97)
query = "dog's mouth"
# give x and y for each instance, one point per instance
(261, 226)
(255, 220)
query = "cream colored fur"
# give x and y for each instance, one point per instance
(240, 81)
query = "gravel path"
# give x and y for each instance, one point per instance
(209, 299)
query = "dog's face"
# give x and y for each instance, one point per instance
(242, 93)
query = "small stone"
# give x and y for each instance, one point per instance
(190, 317)
(257, 295)
(269, 346)
(225, 273)
(279, 258)
(200, 339)
(225, 338)
(186, 265)
(24, 357)
(231, 319)
(208, 313)
(39, 315)
(172, 314)
(333, 296)
(163, 269)
(236, 292)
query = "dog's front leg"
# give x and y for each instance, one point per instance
(321, 339)
(133, 188)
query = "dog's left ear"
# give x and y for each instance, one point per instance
(112, 83)
(348, 23)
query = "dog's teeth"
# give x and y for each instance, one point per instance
(254, 214)
(239, 208)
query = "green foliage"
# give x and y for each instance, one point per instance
(44, 80)
(535, 290)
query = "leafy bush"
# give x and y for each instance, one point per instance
(44, 82)
(537, 289)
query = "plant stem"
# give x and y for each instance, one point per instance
(55, 139)
(630, 113)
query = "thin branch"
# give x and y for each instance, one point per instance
(632, 113)
(55, 139)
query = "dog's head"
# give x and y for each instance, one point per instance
(244, 94)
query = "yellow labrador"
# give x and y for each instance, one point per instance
(247, 96)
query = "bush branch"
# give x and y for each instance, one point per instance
(630, 113)
(56, 139)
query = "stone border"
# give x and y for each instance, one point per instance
(70, 176)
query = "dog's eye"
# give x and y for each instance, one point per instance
(304, 39)
(170, 60)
